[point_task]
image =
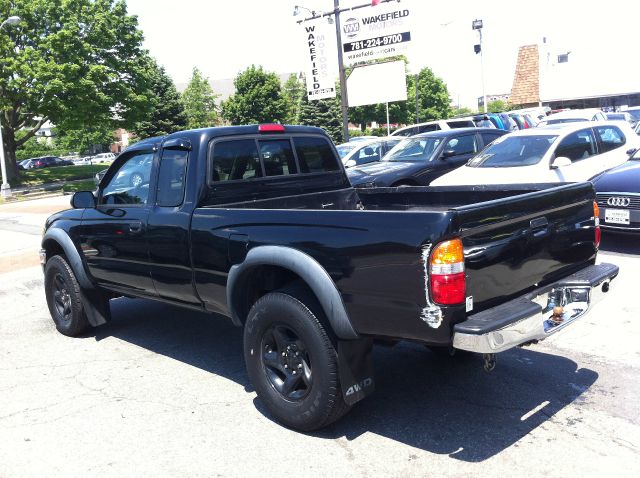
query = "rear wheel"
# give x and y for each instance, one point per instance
(292, 363)
(63, 297)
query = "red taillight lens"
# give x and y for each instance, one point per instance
(447, 281)
(271, 128)
(596, 218)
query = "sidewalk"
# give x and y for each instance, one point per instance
(21, 226)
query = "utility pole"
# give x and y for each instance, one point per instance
(344, 99)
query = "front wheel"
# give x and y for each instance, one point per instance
(292, 363)
(63, 297)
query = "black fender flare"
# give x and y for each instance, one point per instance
(311, 272)
(73, 256)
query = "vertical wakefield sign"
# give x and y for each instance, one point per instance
(322, 59)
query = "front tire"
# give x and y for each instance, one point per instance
(63, 297)
(292, 363)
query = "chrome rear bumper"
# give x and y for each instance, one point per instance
(531, 317)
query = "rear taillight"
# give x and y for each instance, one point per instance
(596, 218)
(446, 273)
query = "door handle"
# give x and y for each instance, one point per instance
(135, 227)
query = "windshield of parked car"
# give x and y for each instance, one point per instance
(414, 149)
(345, 149)
(513, 151)
(635, 114)
(564, 120)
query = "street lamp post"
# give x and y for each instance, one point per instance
(477, 25)
(5, 190)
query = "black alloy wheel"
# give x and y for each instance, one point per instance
(64, 297)
(291, 360)
(286, 362)
(61, 297)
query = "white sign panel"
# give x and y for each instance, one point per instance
(372, 33)
(378, 83)
(322, 59)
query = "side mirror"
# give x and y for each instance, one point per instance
(83, 200)
(447, 153)
(560, 162)
(350, 164)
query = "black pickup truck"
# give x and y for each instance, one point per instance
(260, 224)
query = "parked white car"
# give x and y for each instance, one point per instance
(561, 153)
(103, 158)
(434, 126)
(573, 116)
(84, 161)
(368, 151)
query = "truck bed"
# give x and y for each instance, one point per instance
(363, 237)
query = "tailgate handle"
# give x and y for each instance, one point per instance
(538, 223)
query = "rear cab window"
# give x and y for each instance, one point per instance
(248, 168)
(247, 159)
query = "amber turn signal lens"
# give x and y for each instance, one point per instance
(448, 252)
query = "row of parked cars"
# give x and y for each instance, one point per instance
(569, 146)
(53, 161)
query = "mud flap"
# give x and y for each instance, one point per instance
(96, 306)
(356, 369)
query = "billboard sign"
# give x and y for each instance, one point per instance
(376, 32)
(322, 59)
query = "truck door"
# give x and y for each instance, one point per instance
(114, 235)
(169, 223)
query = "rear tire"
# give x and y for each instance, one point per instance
(292, 363)
(63, 297)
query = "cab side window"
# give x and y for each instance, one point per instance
(577, 146)
(315, 155)
(610, 137)
(172, 177)
(129, 184)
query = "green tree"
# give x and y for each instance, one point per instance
(167, 114)
(497, 106)
(324, 114)
(200, 102)
(433, 97)
(293, 91)
(464, 111)
(258, 99)
(87, 140)
(72, 62)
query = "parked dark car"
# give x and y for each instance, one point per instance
(49, 162)
(422, 158)
(618, 196)
(314, 270)
(25, 164)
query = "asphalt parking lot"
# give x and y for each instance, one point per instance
(163, 392)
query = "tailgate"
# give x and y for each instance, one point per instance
(516, 244)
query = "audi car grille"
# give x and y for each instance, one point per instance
(621, 200)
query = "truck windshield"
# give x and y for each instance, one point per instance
(510, 151)
(414, 149)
